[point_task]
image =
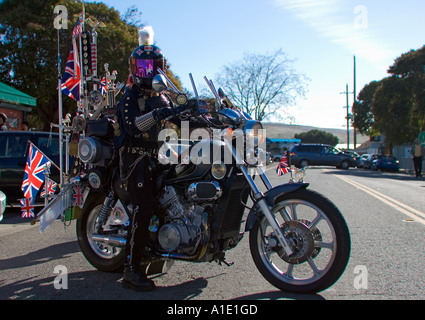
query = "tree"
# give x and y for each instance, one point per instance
(410, 67)
(263, 85)
(28, 48)
(317, 136)
(395, 106)
(363, 117)
(391, 107)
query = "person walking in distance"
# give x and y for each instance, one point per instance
(417, 154)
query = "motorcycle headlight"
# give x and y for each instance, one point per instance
(93, 150)
(254, 133)
(87, 150)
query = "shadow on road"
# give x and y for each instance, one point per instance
(34, 282)
(95, 285)
(55, 252)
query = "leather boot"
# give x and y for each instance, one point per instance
(135, 279)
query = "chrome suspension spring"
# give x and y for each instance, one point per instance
(105, 210)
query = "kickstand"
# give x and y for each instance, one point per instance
(226, 263)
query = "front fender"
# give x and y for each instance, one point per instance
(271, 197)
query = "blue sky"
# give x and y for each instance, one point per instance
(201, 37)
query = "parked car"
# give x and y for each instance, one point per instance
(268, 158)
(368, 162)
(385, 163)
(353, 154)
(304, 155)
(361, 162)
(13, 156)
(277, 157)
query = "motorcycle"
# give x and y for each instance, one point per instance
(298, 239)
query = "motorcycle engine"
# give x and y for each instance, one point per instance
(183, 222)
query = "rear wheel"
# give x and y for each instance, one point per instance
(318, 236)
(345, 165)
(102, 256)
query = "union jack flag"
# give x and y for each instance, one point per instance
(71, 80)
(77, 196)
(103, 86)
(72, 76)
(34, 172)
(49, 188)
(283, 167)
(27, 207)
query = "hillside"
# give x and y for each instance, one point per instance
(286, 131)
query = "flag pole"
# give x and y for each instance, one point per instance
(60, 112)
(44, 153)
(81, 102)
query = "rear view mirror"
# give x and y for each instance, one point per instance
(159, 83)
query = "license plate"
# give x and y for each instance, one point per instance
(55, 208)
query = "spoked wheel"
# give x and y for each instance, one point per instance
(102, 256)
(318, 236)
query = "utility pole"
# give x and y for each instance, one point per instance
(355, 99)
(348, 116)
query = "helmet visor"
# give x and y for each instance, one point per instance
(143, 68)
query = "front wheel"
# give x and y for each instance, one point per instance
(318, 236)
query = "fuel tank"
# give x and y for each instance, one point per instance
(195, 162)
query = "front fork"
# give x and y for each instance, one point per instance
(260, 199)
(275, 226)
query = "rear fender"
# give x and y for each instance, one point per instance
(271, 197)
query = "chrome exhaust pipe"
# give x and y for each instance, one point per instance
(115, 241)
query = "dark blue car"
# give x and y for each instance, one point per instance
(385, 163)
(305, 155)
(13, 156)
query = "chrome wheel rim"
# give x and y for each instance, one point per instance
(316, 248)
(101, 249)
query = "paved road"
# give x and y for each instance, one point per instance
(387, 258)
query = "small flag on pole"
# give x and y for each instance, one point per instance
(77, 196)
(49, 188)
(71, 77)
(283, 166)
(71, 80)
(34, 171)
(27, 207)
(104, 85)
(78, 28)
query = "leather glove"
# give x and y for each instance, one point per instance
(163, 113)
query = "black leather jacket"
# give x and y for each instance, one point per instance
(133, 104)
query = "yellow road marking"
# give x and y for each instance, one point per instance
(404, 208)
